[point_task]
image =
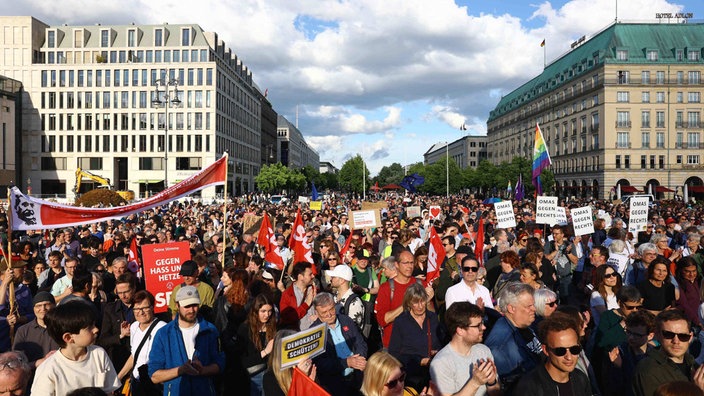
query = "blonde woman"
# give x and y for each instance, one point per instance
(384, 376)
(277, 381)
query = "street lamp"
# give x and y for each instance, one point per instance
(447, 168)
(162, 98)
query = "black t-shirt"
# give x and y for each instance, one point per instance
(564, 389)
(656, 298)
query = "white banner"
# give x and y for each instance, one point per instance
(638, 218)
(546, 210)
(504, 214)
(582, 221)
(560, 215)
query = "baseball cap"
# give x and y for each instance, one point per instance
(360, 255)
(267, 275)
(464, 250)
(187, 295)
(189, 268)
(340, 271)
(43, 296)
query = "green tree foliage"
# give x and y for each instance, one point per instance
(311, 174)
(350, 177)
(273, 178)
(436, 177)
(328, 181)
(390, 174)
(296, 181)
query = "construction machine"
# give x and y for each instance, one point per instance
(102, 183)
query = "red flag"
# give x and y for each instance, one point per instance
(436, 255)
(344, 250)
(133, 264)
(299, 243)
(303, 385)
(267, 240)
(479, 243)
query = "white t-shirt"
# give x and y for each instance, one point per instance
(596, 300)
(189, 339)
(136, 337)
(451, 371)
(462, 292)
(59, 375)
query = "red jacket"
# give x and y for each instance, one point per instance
(291, 312)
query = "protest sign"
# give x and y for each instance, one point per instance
(582, 220)
(435, 212)
(412, 211)
(364, 218)
(162, 263)
(560, 215)
(303, 345)
(316, 205)
(546, 210)
(374, 205)
(504, 214)
(638, 218)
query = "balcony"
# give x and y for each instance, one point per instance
(623, 124)
(645, 124)
(660, 124)
(584, 130)
(622, 145)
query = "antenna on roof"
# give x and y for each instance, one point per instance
(616, 18)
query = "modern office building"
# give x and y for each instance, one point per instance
(89, 104)
(467, 151)
(293, 150)
(328, 167)
(10, 127)
(622, 108)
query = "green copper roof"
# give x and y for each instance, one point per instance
(636, 38)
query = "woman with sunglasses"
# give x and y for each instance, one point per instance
(607, 283)
(520, 243)
(658, 291)
(384, 376)
(529, 271)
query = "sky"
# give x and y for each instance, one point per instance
(383, 79)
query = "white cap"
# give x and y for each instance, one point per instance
(341, 271)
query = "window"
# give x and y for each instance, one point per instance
(678, 139)
(694, 77)
(645, 97)
(693, 119)
(622, 55)
(56, 163)
(104, 38)
(622, 140)
(652, 55)
(131, 38)
(692, 160)
(623, 76)
(693, 140)
(680, 77)
(679, 55)
(78, 38)
(660, 139)
(693, 55)
(645, 119)
(51, 39)
(660, 97)
(186, 37)
(680, 97)
(623, 119)
(661, 162)
(660, 119)
(622, 96)
(158, 37)
(645, 139)
(627, 162)
(652, 162)
(693, 97)
(188, 163)
(645, 76)
(90, 163)
(643, 159)
(618, 162)
(679, 159)
(148, 163)
(660, 77)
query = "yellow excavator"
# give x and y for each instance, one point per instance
(102, 183)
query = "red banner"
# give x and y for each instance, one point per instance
(29, 213)
(162, 263)
(298, 242)
(436, 255)
(479, 244)
(267, 240)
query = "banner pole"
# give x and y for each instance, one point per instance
(8, 261)
(224, 219)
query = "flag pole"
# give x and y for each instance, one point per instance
(8, 261)
(224, 218)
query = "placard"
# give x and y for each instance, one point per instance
(360, 219)
(316, 205)
(374, 205)
(303, 345)
(162, 263)
(504, 214)
(412, 211)
(560, 215)
(638, 219)
(582, 221)
(302, 199)
(434, 212)
(546, 210)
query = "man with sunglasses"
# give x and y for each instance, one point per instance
(672, 362)
(468, 289)
(559, 335)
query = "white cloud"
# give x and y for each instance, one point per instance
(449, 116)
(344, 120)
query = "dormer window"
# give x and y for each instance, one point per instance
(104, 38)
(158, 37)
(652, 55)
(693, 55)
(131, 38)
(186, 37)
(622, 55)
(51, 39)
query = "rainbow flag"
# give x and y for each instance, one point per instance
(541, 159)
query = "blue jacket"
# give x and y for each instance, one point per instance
(331, 367)
(512, 355)
(168, 351)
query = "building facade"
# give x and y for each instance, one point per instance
(328, 167)
(88, 104)
(292, 149)
(621, 110)
(10, 127)
(467, 151)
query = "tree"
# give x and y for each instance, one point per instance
(327, 181)
(296, 181)
(350, 176)
(311, 174)
(436, 177)
(273, 178)
(390, 174)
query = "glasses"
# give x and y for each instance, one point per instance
(610, 275)
(524, 240)
(332, 259)
(393, 383)
(142, 310)
(551, 304)
(634, 334)
(478, 325)
(562, 351)
(16, 363)
(683, 337)
(473, 269)
(631, 307)
(447, 244)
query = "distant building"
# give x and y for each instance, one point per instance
(268, 133)
(621, 108)
(467, 151)
(293, 150)
(328, 167)
(10, 138)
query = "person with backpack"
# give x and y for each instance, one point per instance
(348, 302)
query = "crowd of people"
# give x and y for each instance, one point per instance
(533, 309)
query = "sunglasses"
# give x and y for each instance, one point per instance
(562, 351)
(524, 240)
(631, 307)
(551, 304)
(669, 335)
(610, 275)
(473, 269)
(393, 383)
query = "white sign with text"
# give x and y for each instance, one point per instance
(638, 218)
(582, 221)
(504, 214)
(546, 210)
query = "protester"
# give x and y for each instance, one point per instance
(15, 373)
(255, 342)
(277, 381)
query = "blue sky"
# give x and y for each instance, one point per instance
(383, 79)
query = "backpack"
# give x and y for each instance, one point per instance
(367, 320)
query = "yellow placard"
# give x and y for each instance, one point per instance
(303, 345)
(316, 205)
